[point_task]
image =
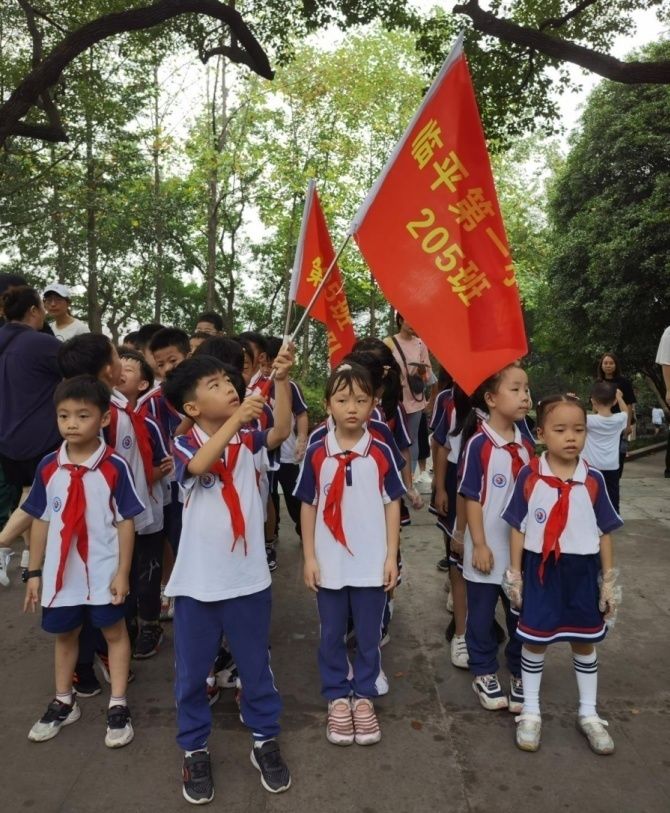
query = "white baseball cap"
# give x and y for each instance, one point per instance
(57, 288)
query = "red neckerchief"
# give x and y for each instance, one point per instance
(74, 521)
(517, 463)
(332, 511)
(224, 471)
(558, 516)
(137, 419)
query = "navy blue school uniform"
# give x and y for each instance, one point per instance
(563, 604)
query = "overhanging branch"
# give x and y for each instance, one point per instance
(45, 74)
(629, 73)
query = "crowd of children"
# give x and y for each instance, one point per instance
(162, 503)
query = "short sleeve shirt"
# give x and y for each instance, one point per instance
(590, 513)
(210, 564)
(416, 353)
(110, 497)
(602, 440)
(373, 480)
(663, 353)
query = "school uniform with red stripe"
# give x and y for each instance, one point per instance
(562, 522)
(82, 504)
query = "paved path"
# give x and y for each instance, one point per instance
(440, 751)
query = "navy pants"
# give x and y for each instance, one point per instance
(367, 608)
(198, 629)
(480, 634)
(611, 478)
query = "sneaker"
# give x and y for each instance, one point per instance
(459, 652)
(515, 697)
(119, 727)
(148, 641)
(84, 682)
(443, 565)
(489, 691)
(386, 636)
(167, 608)
(275, 775)
(595, 731)
(528, 729)
(271, 555)
(197, 776)
(213, 692)
(5, 556)
(57, 715)
(366, 724)
(103, 662)
(227, 677)
(340, 726)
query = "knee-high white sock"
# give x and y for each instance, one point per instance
(532, 664)
(586, 670)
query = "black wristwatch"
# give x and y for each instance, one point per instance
(30, 574)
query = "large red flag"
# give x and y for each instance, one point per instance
(432, 234)
(312, 259)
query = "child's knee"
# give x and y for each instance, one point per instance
(117, 633)
(582, 648)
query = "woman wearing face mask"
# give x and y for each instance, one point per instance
(57, 304)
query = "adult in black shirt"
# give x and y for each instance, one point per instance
(609, 369)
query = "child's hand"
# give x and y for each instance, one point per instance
(390, 573)
(284, 361)
(619, 395)
(512, 585)
(119, 588)
(610, 593)
(32, 594)
(482, 558)
(441, 501)
(300, 449)
(416, 500)
(312, 574)
(166, 465)
(250, 409)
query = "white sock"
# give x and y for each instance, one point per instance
(65, 698)
(25, 559)
(586, 670)
(117, 701)
(532, 664)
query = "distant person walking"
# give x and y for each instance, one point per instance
(609, 369)
(657, 419)
(663, 358)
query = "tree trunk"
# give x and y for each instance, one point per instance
(158, 207)
(57, 220)
(94, 314)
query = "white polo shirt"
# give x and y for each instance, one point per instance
(487, 478)
(378, 429)
(208, 568)
(373, 480)
(110, 497)
(603, 433)
(590, 513)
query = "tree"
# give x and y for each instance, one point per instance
(609, 269)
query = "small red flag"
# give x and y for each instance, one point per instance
(432, 233)
(312, 259)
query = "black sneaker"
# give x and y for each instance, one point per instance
(450, 630)
(148, 641)
(56, 716)
(275, 775)
(443, 565)
(119, 727)
(271, 554)
(197, 775)
(84, 681)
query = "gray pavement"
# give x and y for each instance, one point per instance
(440, 751)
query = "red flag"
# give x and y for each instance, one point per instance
(313, 258)
(432, 233)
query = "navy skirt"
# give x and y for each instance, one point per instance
(565, 606)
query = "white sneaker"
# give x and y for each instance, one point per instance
(56, 716)
(459, 652)
(595, 731)
(528, 730)
(5, 556)
(340, 726)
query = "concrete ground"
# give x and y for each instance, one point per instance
(440, 751)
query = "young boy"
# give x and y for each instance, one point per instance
(220, 579)
(169, 347)
(603, 433)
(83, 501)
(143, 607)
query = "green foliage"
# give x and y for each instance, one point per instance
(609, 270)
